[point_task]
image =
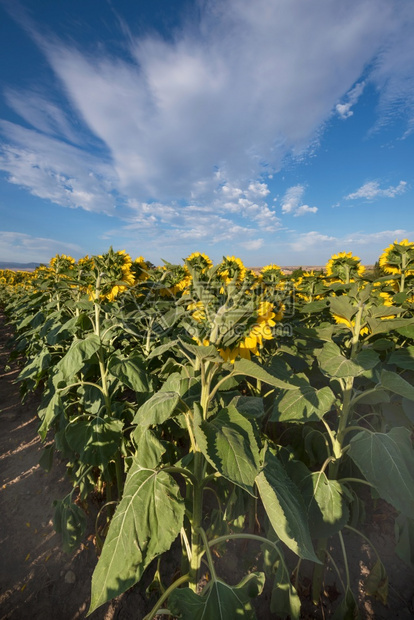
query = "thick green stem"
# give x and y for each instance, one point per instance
(164, 597)
(196, 522)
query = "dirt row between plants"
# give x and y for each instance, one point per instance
(39, 581)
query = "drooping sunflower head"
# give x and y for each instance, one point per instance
(141, 269)
(271, 274)
(231, 269)
(61, 263)
(199, 261)
(344, 267)
(114, 272)
(398, 258)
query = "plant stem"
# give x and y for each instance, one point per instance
(164, 596)
(196, 522)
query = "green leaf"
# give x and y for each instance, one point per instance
(159, 408)
(347, 608)
(376, 584)
(383, 326)
(46, 460)
(404, 535)
(327, 510)
(303, 405)
(145, 524)
(403, 358)
(149, 448)
(249, 406)
(406, 331)
(393, 382)
(334, 364)
(80, 352)
(131, 372)
(285, 508)
(285, 600)
(229, 444)
(218, 601)
(158, 351)
(343, 307)
(387, 462)
(96, 440)
(70, 521)
(35, 367)
(250, 369)
(47, 412)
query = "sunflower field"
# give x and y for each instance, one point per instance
(207, 404)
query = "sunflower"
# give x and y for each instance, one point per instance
(398, 258)
(231, 269)
(344, 267)
(253, 341)
(200, 262)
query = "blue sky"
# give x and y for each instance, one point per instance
(275, 130)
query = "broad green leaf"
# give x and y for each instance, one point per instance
(250, 369)
(249, 406)
(70, 521)
(149, 448)
(35, 367)
(404, 535)
(342, 306)
(47, 412)
(218, 601)
(315, 306)
(145, 524)
(376, 584)
(327, 510)
(285, 508)
(334, 364)
(159, 408)
(383, 326)
(158, 351)
(303, 405)
(387, 462)
(393, 382)
(376, 397)
(229, 444)
(80, 352)
(285, 600)
(96, 440)
(91, 398)
(46, 460)
(403, 358)
(131, 372)
(407, 331)
(347, 608)
(408, 408)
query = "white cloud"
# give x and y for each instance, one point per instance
(303, 209)
(372, 190)
(254, 244)
(316, 248)
(344, 109)
(311, 239)
(291, 202)
(14, 245)
(201, 118)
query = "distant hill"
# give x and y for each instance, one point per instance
(19, 266)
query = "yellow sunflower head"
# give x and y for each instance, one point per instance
(231, 269)
(199, 261)
(398, 258)
(344, 267)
